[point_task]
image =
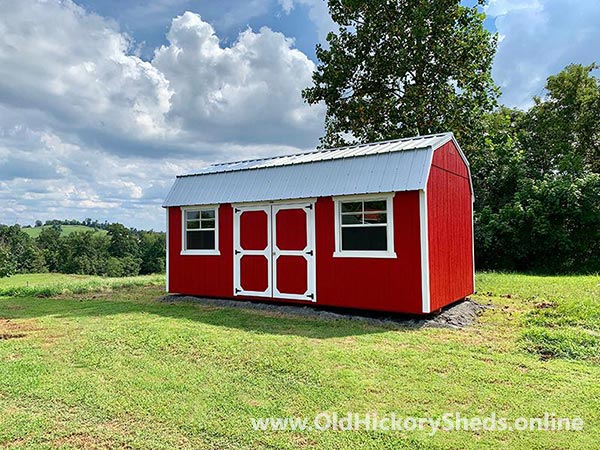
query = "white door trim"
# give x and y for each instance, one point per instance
(238, 252)
(308, 253)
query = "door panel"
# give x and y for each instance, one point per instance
(252, 251)
(254, 273)
(291, 229)
(292, 274)
(254, 229)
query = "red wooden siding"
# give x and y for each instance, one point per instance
(372, 283)
(449, 212)
(210, 275)
(364, 283)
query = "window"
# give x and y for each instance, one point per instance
(199, 231)
(364, 227)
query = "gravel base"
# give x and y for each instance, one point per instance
(458, 315)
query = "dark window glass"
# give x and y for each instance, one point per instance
(193, 215)
(379, 205)
(193, 224)
(208, 214)
(208, 224)
(364, 238)
(352, 207)
(200, 240)
(348, 219)
(375, 217)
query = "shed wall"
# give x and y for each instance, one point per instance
(450, 215)
(372, 283)
(207, 275)
(363, 283)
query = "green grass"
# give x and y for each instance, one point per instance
(52, 284)
(115, 369)
(66, 229)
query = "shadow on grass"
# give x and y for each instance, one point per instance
(130, 302)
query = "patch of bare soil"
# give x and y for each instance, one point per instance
(458, 315)
(9, 329)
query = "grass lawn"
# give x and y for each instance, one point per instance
(49, 284)
(66, 229)
(117, 368)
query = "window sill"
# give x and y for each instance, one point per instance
(365, 254)
(200, 253)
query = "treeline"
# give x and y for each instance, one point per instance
(84, 223)
(536, 175)
(119, 252)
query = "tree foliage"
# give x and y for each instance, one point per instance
(120, 252)
(537, 182)
(399, 68)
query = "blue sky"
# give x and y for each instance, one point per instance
(103, 102)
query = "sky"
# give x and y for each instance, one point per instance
(104, 102)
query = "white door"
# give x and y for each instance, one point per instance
(274, 251)
(252, 261)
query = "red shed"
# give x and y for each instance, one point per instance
(385, 226)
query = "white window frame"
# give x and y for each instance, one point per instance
(206, 252)
(389, 253)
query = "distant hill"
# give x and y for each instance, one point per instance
(66, 229)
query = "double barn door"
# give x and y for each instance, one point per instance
(274, 251)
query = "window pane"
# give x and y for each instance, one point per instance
(375, 217)
(193, 224)
(209, 214)
(364, 238)
(208, 224)
(352, 207)
(200, 240)
(192, 215)
(351, 218)
(378, 205)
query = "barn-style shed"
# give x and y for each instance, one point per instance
(385, 226)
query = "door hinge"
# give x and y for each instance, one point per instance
(237, 290)
(237, 210)
(311, 296)
(310, 252)
(309, 206)
(237, 252)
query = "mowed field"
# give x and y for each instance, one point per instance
(108, 365)
(66, 229)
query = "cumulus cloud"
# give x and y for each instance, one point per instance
(537, 39)
(248, 92)
(88, 129)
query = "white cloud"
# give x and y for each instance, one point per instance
(88, 129)
(318, 12)
(249, 92)
(537, 39)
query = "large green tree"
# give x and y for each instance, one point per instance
(561, 133)
(399, 68)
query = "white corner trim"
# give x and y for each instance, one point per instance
(473, 237)
(424, 236)
(167, 254)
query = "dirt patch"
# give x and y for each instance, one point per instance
(458, 315)
(9, 329)
(5, 336)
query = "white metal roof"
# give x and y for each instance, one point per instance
(390, 166)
